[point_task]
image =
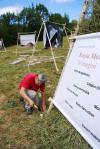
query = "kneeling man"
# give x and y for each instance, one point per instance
(32, 90)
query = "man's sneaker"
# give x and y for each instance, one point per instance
(28, 109)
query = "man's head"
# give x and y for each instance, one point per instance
(41, 78)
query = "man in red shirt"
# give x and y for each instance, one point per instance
(30, 86)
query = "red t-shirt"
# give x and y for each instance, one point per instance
(28, 82)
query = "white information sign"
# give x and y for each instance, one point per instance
(26, 39)
(78, 93)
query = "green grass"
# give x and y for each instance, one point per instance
(21, 131)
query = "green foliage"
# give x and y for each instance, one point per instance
(91, 21)
(28, 20)
(58, 18)
(42, 12)
(9, 104)
(73, 25)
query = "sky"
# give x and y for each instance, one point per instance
(71, 7)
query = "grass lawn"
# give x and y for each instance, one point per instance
(21, 131)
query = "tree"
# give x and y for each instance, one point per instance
(27, 17)
(56, 17)
(8, 18)
(41, 13)
(7, 29)
(73, 25)
(91, 21)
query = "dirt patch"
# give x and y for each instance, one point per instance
(1, 112)
(8, 121)
(2, 98)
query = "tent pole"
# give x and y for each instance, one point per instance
(56, 23)
(66, 35)
(34, 48)
(25, 33)
(50, 107)
(51, 48)
(17, 45)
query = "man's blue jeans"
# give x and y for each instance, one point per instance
(33, 96)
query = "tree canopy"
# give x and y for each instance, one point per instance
(91, 21)
(28, 20)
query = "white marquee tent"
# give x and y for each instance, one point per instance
(25, 40)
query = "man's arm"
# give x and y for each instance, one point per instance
(43, 101)
(26, 98)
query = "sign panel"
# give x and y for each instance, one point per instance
(26, 39)
(78, 93)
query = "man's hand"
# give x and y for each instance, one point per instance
(31, 103)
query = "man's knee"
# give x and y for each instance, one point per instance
(32, 94)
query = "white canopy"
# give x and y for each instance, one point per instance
(2, 46)
(26, 39)
(0, 43)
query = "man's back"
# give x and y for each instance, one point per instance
(28, 82)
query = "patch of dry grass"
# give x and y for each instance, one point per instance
(20, 131)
